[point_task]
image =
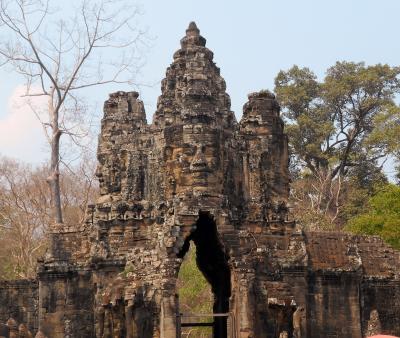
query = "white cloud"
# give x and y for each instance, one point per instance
(21, 133)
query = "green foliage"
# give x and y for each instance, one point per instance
(195, 294)
(348, 120)
(128, 269)
(331, 123)
(383, 217)
(364, 181)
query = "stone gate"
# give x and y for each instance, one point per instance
(196, 176)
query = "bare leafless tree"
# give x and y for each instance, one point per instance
(24, 215)
(61, 51)
(25, 211)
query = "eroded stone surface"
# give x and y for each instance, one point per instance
(196, 176)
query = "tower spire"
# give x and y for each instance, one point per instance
(193, 37)
(192, 30)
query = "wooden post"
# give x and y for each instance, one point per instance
(178, 317)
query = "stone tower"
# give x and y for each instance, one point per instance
(196, 176)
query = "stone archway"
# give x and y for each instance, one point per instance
(212, 261)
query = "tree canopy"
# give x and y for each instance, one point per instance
(25, 211)
(337, 125)
(382, 217)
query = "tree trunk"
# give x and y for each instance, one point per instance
(54, 178)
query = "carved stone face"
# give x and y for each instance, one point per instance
(196, 85)
(109, 174)
(195, 163)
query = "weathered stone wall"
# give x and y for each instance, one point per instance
(19, 301)
(334, 279)
(381, 295)
(333, 305)
(66, 302)
(68, 244)
(380, 288)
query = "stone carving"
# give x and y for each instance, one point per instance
(374, 326)
(298, 317)
(13, 327)
(23, 331)
(196, 176)
(40, 334)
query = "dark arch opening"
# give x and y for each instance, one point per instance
(212, 261)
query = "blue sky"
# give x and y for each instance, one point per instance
(251, 40)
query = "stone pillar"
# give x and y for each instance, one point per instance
(244, 304)
(168, 317)
(129, 319)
